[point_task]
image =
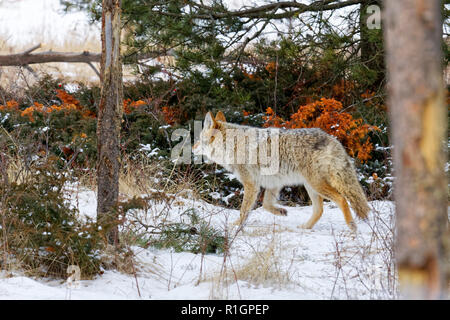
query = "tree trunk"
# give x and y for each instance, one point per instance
(109, 120)
(419, 126)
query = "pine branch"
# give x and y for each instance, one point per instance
(264, 12)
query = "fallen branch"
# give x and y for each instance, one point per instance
(27, 57)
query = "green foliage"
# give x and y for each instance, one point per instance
(54, 133)
(193, 235)
(43, 230)
(216, 71)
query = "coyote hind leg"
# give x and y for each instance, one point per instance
(327, 191)
(270, 199)
(317, 202)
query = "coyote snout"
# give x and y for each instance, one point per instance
(308, 157)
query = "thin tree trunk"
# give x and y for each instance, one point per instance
(419, 132)
(109, 120)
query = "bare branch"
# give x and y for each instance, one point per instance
(30, 70)
(26, 58)
(94, 68)
(32, 49)
(22, 59)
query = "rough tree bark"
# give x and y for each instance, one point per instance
(413, 34)
(109, 120)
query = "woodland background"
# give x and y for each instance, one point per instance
(282, 64)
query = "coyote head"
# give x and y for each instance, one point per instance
(210, 142)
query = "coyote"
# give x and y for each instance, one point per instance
(308, 157)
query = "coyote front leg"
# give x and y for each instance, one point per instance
(250, 194)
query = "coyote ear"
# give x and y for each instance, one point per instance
(209, 120)
(220, 117)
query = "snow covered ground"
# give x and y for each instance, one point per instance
(271, 259)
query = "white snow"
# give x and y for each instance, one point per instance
(151, 152)
(296, 263)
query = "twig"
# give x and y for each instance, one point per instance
(30, 69)
(28, 51)
(135, 278)
(93, 68)
(72, 159)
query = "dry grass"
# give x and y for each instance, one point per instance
(17, 170)
(265, 267)
(141, 175)
(369, 263)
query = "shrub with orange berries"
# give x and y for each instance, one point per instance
(328, 115)
(11, 105)
(129, 106)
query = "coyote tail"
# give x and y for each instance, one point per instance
(358, 202)
(354, 193)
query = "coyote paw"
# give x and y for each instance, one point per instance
(238, 222)
(281, 212)
(305, 226)
(352, 226)
(277, 211)
(365, 219)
